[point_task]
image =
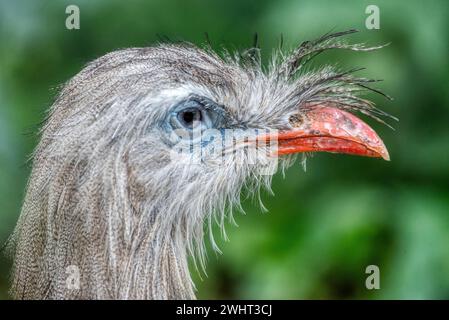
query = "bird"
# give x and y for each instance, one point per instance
(125, 187)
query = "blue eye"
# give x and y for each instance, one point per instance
(196, 112)
(191, 115)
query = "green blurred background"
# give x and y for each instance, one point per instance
(325, 225)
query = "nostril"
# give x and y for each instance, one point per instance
(295, 120)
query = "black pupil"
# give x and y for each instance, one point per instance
(192, 115)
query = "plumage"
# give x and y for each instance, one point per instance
(106, 193)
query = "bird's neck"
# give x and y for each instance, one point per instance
(83, 265)
(99, 249)
(156, 268)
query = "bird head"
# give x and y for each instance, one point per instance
(146, 146)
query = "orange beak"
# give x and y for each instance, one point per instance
(333, 130)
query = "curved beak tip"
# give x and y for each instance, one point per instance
(384, 154)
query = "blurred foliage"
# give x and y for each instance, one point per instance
(324, 225)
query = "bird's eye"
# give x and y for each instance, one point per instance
(196, 113)
(190, 118)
